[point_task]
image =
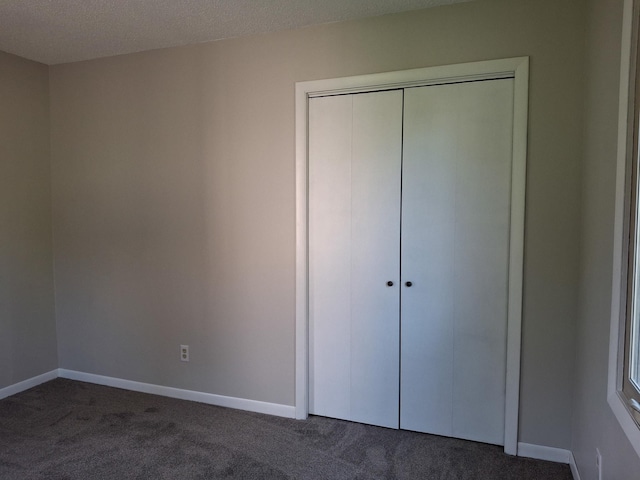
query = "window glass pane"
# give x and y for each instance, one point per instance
(631, 381)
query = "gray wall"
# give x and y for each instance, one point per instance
(594, 425)
(27, 324)
(173, 197)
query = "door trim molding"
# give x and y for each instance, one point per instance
(516, 68)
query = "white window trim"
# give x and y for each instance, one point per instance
(616, 345)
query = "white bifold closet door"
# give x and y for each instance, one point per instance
(409, 206)
(355, 147)
(456, 192)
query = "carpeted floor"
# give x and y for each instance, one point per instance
(72, 430)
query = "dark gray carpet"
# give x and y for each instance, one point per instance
(71, 430)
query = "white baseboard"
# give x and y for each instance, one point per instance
(551, 454)
(209, 398)
(27, 384)
(540, 452)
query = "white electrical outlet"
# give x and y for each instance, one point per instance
(184, 353)
(599, 464)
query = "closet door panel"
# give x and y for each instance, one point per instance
(455, 250)
(428, 230)
(354, 252)
(483, 261)
(375, 307)
(330, 128)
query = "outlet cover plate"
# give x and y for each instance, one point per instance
(184, 353)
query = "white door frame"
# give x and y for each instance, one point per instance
(516, 68)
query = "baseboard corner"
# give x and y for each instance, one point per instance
(27, 384)
(542, 452)
(574, 467)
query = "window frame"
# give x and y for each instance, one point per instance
(626, 262)
(630, 321)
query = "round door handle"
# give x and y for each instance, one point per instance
(408, 284)
(389, 283)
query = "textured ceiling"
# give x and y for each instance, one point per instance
(61, 31)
